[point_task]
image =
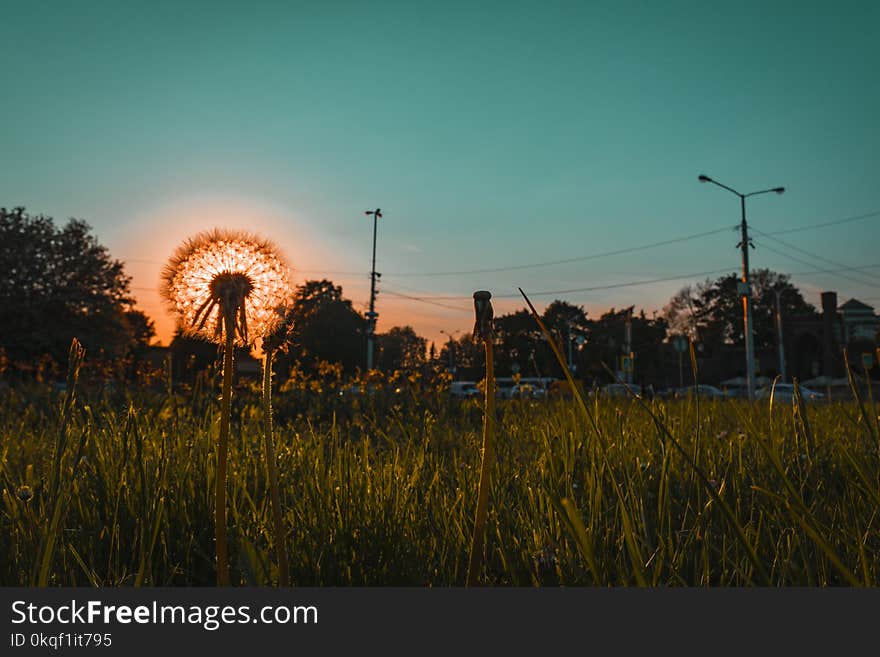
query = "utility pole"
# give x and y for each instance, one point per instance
(778, 292)
(746, 292)
(745, 288)
(570, 358)
(451, 350)
(372, 315)
(628, 373)
(680, 343)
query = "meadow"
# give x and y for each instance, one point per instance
(108, 486)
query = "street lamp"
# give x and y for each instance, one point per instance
(781, 347)
(451, 350)
(745, 285)
(372, 315)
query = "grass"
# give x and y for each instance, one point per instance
(380, 490)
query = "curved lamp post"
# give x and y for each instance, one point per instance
(745, 286)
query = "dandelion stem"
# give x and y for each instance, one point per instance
(476, 557)
(222, 449)
(280, 544)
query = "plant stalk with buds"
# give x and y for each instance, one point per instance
(483, 331)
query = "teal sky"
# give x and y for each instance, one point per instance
(491, 134)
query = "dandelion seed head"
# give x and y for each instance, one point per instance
(221, 274)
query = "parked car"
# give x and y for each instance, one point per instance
(784, 392)
(620, 390)
(464, 389)
(527, 391)
(706, 391)
(503, 391)
(561, 388)
(355, 389)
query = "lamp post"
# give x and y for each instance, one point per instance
(568, 340)
(627, 339)
(372, 316)
(745, 285)
(451, 350)
(778, 292)
(680, 343)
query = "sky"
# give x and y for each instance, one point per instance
(492, 135)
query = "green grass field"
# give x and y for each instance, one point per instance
(115, 488)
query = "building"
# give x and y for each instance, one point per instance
(859, 323)
(814, 346)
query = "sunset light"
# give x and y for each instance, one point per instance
(220, 262)
(365, 306)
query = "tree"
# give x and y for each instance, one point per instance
(684, 311)
(142, 330)
(60, 283)
(467, 355)
(401, 348)
(712, 312)
(607, 344)
(324, 327)
(566, 322)
(519, 344)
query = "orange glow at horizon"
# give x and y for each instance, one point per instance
(151, 238)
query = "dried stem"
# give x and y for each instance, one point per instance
(280, 543)
(222, 449)
(476, 558)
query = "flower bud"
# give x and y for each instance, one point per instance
(484, 315)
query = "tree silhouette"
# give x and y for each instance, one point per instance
(608, 341)
(322, 326)
(60, 283)
(401, 348)
(711, 313)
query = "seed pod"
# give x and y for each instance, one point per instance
(226, 281)
(484, 315)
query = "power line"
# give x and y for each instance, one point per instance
(835, 272)
(586, 289)
(438, 299)
(825, 224)
(809, 254)
(612, 286)
(435, 298)
(592, 256)
(550, 263)
(634, 249)
(427, 300)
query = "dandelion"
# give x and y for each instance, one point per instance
(226, 287)
(221, 282)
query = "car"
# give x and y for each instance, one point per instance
(562, 388)
(784, 392)
(702, 390)
(526, 391)
(464, 389)
(620, 390)
(357, 389)
(503, 391)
